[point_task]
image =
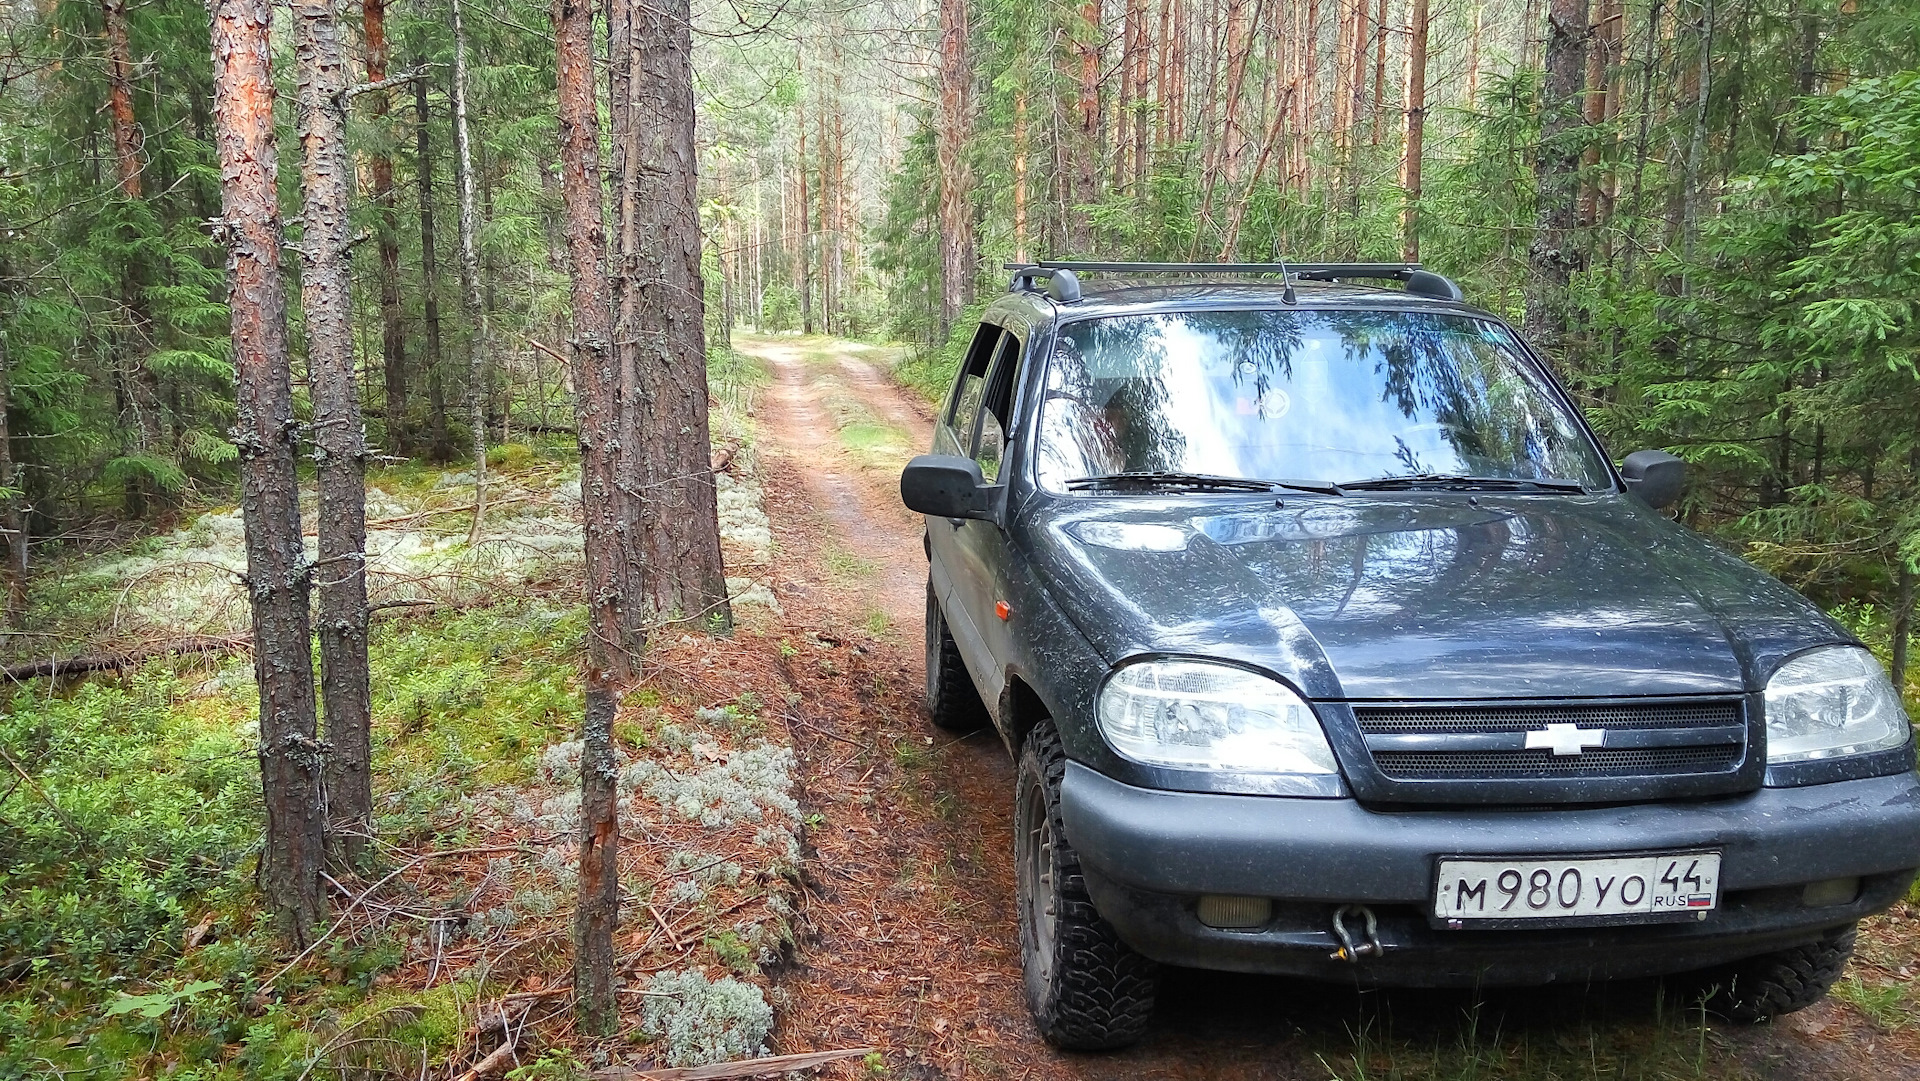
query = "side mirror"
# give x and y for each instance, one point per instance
(1655, 476)
(948, 486)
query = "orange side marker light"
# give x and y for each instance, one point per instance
(1003, 610)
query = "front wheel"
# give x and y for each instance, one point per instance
(952, 702)
(1087, 990)
(1785, 981)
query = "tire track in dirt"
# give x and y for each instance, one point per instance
(910, 943)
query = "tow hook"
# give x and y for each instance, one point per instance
(1370, 943)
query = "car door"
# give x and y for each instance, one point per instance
(948, 565)
(981, 565)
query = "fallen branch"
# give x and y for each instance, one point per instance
(722, 1071)
(491, 1064)
(101, 662)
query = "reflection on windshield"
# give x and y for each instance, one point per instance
(1329, 396)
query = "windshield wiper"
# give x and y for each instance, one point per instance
(1457, 480)
(1160, 478)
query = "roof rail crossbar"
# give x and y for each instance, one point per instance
(1419, 281)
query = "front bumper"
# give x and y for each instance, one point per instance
(1148, 854)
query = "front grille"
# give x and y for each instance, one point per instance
(1499, 718)
(1617, 741)
(1629, 762)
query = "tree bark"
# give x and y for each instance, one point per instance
(1415, 148)
(596, 913)
(1903, 602)
(1142, 106)
(339, 438)
(1552, 258)
(950, 140)
(441, 448)
(477, 343)
(1379, 70)
(1473, 55)
(1020, 176)
(614, 632)
(393, 329)
(12, 521)
(278, 577)
(659, 332)
(142, 385)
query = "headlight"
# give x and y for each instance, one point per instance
(1196, 715)
(1832, 702)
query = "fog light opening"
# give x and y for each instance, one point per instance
(1234, 913)
(1833, 891)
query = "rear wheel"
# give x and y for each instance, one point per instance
(1087, 990)
(952, 701)
(1765, 987)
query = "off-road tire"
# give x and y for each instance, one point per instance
(1087, 990)
(952, 702)
(1765, 987)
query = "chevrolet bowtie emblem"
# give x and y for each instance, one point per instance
(1565, 738)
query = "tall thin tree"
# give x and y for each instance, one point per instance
(393, 329)
(950, 140)
(278, 577)
(1415, 149)
(610, 649)
(440, 446)
(1553, 257)
(339, 434)
(477, 339)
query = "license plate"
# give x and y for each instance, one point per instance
(1623, 889)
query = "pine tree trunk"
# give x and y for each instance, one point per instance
(660, 326)
(1473, 55)
(12, 521)
(950, 140)
(477, 343)
(1593, 109)
(278, 578)
(1020, 176)
(142, 385)
(615, 634)
(339, 441)
(606, 394)
(442, 447)
(393, 328)
(596, 913)
(1903, 602)
(1415, 149)
(1551, 258)
(1379, 70)
(1143, 108)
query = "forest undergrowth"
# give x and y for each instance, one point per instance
(131, 944)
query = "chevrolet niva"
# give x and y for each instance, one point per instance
(1330, 642)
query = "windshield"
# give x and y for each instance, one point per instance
(1303, 395)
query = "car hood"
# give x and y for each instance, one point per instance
(1422, 596)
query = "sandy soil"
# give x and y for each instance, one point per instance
(911, 945)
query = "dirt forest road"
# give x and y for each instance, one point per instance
(909, 943)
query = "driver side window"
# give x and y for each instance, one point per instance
(996, 414)
(963, 408)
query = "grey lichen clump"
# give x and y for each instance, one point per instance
(697, 1022)
(747, 787)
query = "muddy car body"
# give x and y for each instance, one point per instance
(1292, 696)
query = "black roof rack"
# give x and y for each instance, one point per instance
(1062, 275)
